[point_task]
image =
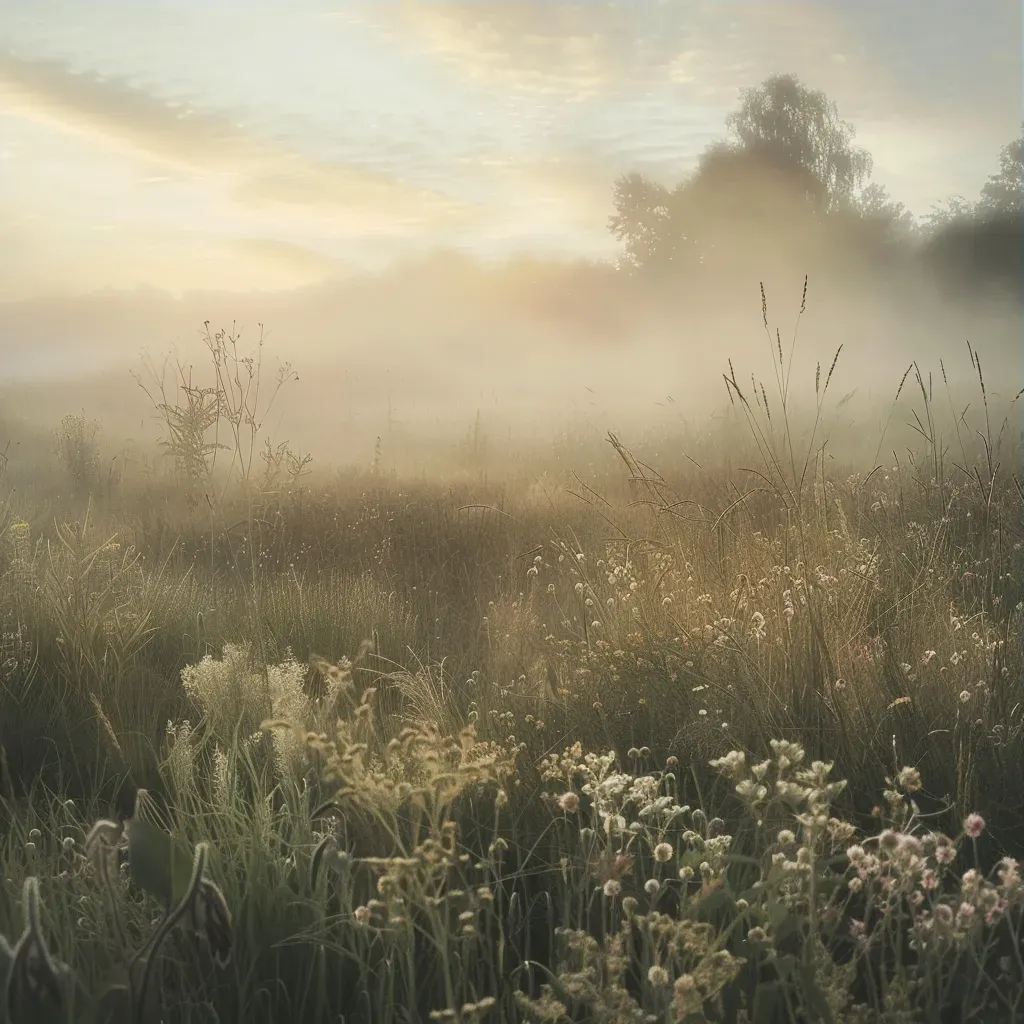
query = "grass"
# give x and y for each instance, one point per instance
(730, 735)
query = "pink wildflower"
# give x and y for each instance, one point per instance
(974, 825)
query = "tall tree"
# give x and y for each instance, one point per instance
(1003, 193)
(801, 127)
(790, 155)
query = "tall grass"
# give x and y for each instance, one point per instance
(731, 735)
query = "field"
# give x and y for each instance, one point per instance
(678, 728)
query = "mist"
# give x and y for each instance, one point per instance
(415, 354)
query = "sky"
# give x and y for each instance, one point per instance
(221, 144)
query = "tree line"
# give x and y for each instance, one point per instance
(790, 176)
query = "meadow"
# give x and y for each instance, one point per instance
(714, 726)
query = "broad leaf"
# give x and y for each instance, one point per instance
(158, 863)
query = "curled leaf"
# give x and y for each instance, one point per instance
(210, 919)
(37, 983)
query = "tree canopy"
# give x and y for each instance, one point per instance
(786, 143)
(1003, 193)
(789, 167)
(800, 129)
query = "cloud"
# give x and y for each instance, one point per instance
(115, 114)
(564, 51)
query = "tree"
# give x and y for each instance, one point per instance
(790, 155)
(874, 203)
(647, 220)
(1003, 193)
(799, 127)
(953, 210)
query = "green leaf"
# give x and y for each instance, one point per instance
(158, 863)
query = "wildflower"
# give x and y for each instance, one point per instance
(970, 882)
(1009, 873)
(686, 872)
(663, 853)
(362, 915)
(748, 789)
(911, 845)
(964, 914)
(569, 802)
(974, 825)
(612, 888)
(734, 764)
(688, 997)
(657, 975)
(965, 696)
(757, 934)
(651, 886)
(929, 880)
(909, 780)
(889, 839)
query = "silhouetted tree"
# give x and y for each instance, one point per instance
(790, 157)
(874, 204)
(973, 246)
(647, 219)
(801, 128)
(1003, 193)
(977, 253)
(953, 210)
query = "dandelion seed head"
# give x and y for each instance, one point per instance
(657, 975)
